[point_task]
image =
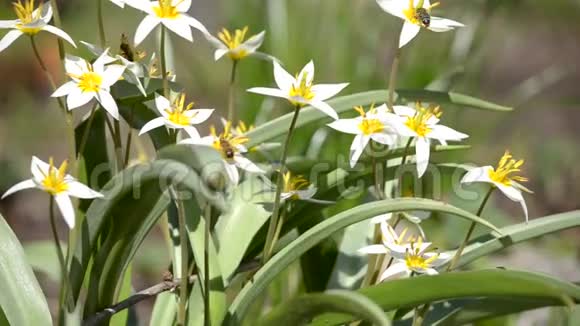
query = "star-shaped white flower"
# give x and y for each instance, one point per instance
(300, 90)
(231, 147)
(296, 188)
(176, 115)
(171, 13)
(235, 45)
(502, 178)
(416, 14)
(90, 81)
(372, 125)
(47, 177)
(30, 21)
(422, 124)
(413, 257)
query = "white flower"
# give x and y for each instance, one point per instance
(416, 14)
(171, 13)
(235, 44)
(175, 115)
(372, 125)
(57, 183)
(296, 188)
(90, 81)
(413, 258)
(389, 237)
(30, 21)
(120, 3)
(300, 90)
(231, 147)
(422, 124)
(501, 178)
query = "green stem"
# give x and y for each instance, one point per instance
(182, 311)
(118, 145)
(102, 35)
(163, 63)
(406, 152)
(377, 179)
(87, 130)
(58, 24)
(232, 92)
(206, 290)
(129, 137)
(62, 263)
(393, 77)
(269, 245)
(280, 224)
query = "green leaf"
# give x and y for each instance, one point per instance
(43, 258)
(300, 310)
(21, 298)
(164, 309)
(279, 126)
(493, 284)
(323, 230)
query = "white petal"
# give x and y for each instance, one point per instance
(381, 218)
(404, 111)
(46, 14)
(143, 5)
(349, 126)
(119, 3)
(204, 141)
(422, 152)
(396, 270)
(194, 23)
(60, 33)
(232, 172)
(145, 27)
(8, 24)
(66, 209)
(385, 139)
(439, 24)
(78, 98)
(38, 168)
(219, 53)
(480, 174)
(357, 147)
(77, 189)
(373, 250)
(269, 92)
(26, 184)
(323, 92)
(201, 115)
(254, 42)
(246, 164)
(431, 271)
(192, 132)
(308, 193)
(511, 192)
(324, 108)
(161, 104)
(408, 33)
(153, 124)
(112, 74)
(182, 5)
(393, 7)
(108, 103)
(388, 233)
(179, 27)
(99, 64)
(9, 38)
(308, 70)
(283, 79)
(443, 132)
(74, 65)
(65, 89)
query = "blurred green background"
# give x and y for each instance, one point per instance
(522, 53)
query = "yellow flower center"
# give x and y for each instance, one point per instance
(165, 9)
(25, 13)
(506, 166)
(369, 126)
(415, 259)
(419, 122)
(90, 81)
(177, 113)
(227, 143)
(419, 15)
(54, 182)
(294, 183)
(233, 41)
(302, 90)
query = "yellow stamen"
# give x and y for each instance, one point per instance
(294, 183)
(25, 13)
(419, 122)
(415, 259)
(54, 182)
(506, 166)
(227, 143)
(302, 90)
(166, 9)
(243, 128)
(369, 126)
(233, 41)
(178, 111)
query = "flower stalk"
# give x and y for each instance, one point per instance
(182, 310)
(232, 92)
(64, 298)
(102, 35)
(163, 64)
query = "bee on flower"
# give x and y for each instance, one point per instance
(170, 13)
(231, 147)
(30, 21)
(422, 125)
(373, 125)
(503, 178)
(176, 115)
(300, 90)
(90, 81)
(417, 15)
(235, 45)
(55, 181)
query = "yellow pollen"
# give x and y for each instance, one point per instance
(233, 41)
(302, 90)
(54, 182)
(411, 11)
(415, 259)
(294, 183)
(177, 113)
(227, 143)
(165, 9)
(506, 166)
(89, 81)
(25, 13)
(369, 126)
(419, 122)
